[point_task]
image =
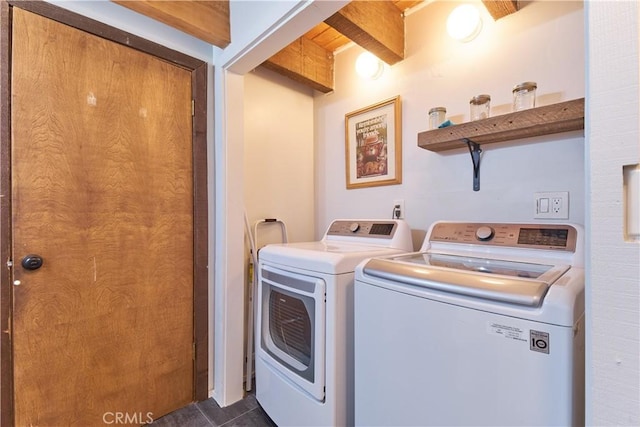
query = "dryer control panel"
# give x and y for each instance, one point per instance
(362, 228)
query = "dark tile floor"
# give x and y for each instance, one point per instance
(246, 413)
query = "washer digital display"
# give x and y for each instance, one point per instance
(543, 236)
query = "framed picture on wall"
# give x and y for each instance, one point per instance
(373, 140)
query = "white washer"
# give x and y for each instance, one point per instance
(304, 340)
(483, 326)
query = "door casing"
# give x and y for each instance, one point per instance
(198, 71)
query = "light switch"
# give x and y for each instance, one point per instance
(632, 201)
(544, 205)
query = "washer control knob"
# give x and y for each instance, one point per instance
(354, 226)
(484, 233)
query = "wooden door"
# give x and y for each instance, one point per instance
(102, 190)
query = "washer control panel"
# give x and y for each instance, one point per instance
(540, 236)
(485, 233)
(361, 228)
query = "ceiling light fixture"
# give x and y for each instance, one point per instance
(464, 23)
(368, 66)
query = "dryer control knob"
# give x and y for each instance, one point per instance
(484, 233)
(354, 226)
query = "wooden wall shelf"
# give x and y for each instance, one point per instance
(556, 118)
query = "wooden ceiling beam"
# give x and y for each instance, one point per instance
(205, 20)
(306, 62)
(501, 8)
(377, 26)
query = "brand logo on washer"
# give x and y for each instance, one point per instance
(539, 341)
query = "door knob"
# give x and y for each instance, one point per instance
(32, 262)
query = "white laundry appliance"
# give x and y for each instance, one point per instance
(304, 340)
(483, 327)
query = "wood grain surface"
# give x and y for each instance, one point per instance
(102, 190)
(305, 62)
(207, 20)
(377, 26)
(549, 119)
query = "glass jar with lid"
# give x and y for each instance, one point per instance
(524, 96)
(436, 117)
(480, 106)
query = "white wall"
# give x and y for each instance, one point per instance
(283, 23)
(278, 155)
(278, 161)
(543, 42)
(613, 267)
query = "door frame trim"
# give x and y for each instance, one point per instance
(198, 69)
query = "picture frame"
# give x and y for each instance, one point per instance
(373, 145)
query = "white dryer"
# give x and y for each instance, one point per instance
(484, 326)
(304, 339)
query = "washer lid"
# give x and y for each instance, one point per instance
(512, 282)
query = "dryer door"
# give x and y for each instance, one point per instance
(292, 327)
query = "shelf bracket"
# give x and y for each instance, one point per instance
(475, 150)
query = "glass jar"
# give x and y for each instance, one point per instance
(524, 96)
(480, 106)
(436, 117)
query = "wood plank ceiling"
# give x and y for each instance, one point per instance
(375, 25)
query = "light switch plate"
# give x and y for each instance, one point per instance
(551, 205)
